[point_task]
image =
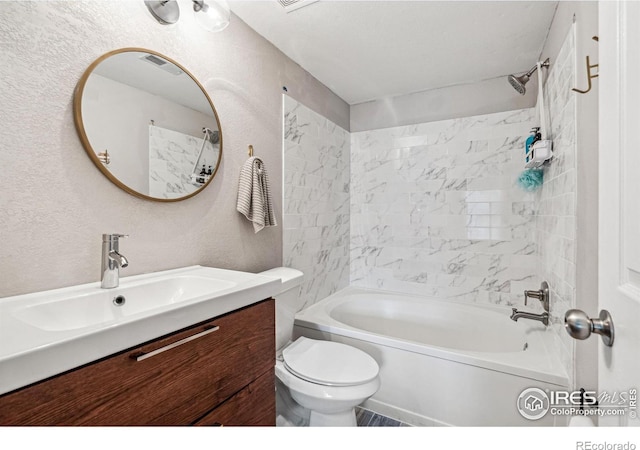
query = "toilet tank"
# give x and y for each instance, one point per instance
(288, 300)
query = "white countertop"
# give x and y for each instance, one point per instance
(32, 350)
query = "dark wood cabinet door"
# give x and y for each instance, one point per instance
(255, 405)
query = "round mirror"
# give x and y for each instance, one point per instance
(148, 125)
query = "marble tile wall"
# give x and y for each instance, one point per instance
(171, 158)
(435, 209)
(556, 200)
(316, 201)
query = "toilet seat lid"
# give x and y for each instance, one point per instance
(329, 363)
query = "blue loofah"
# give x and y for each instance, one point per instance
(530, 179)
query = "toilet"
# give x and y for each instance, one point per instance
(327, 379)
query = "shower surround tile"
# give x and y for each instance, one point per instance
(172, 156)
(435, 210)
(316, 201)
(556, 200)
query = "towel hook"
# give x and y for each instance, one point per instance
(589, 74)
(104, 157)
(589, 77)
(250, 150)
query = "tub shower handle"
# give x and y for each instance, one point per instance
(533, 294)
(580, 326)
(541, 294)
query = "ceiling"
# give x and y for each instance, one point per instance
(165, 80)
(369, 50)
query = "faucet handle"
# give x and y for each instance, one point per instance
(113, 237)
(534, 294)
(541, 294)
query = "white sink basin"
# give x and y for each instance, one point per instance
(93, 306)
(46, 333)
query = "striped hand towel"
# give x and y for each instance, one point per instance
(254, 198)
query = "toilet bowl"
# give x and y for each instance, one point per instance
(327, 378)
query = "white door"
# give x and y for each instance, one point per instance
(619, 205)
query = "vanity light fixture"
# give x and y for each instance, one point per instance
(167, 12)
(212, 15)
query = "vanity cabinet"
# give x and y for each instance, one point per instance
(251, 406)
(218, 372)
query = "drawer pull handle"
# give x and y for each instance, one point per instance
(143, 356)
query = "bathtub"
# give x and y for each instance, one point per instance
(441, 362)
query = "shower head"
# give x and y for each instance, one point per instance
(519, 82)
(214, 136)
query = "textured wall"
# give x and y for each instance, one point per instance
(316, 201)
(54, 204)
(435, 210)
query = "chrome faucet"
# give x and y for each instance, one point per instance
(541, 294)
(112, 261)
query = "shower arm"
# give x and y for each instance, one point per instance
(534, 68)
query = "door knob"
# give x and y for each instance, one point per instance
(580, 326)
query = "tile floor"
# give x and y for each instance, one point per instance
(367, 418)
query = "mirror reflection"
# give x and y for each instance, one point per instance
(148, 125)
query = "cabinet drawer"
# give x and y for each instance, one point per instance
(170, 381)
(255, 405)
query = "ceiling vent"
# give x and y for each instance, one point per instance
(162, 64)
(292, 5)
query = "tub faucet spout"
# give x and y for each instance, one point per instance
(544, 317)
